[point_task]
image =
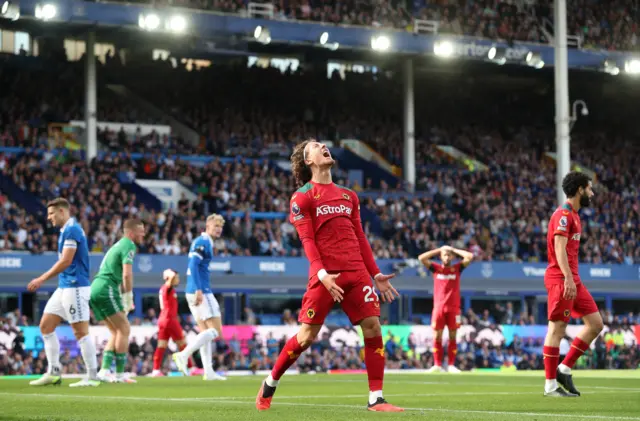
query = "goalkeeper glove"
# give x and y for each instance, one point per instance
(127, 301)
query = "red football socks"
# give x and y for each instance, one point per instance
(578, 347)
(374, 361)
(551, 355)
(190, 363)
(452, 350)
(287, 357)
(158, 356)
(438, 354)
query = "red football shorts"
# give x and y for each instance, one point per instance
(441, 318)
(359, 299)
(170, 329)
(559, 309)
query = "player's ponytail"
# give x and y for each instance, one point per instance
(301, 171)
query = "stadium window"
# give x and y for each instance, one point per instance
(74, 49)
(102, 50)
(282, 64)
(7, 41)
(21, 41)
(158, 54)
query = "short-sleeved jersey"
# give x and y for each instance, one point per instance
(121, 253)
(565, 221)
(327, 218)
(77, 274)
(168, 303)
(446, 286)
(200, 254)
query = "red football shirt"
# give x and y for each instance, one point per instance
(446, 286)
(327, 218)
(565, 221)
(168, 303)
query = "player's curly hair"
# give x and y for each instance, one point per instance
(301, 171)
(572, 182)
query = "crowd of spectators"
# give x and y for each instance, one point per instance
(499, 214)
(610, 24)
(475, 350)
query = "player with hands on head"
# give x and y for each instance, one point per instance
(446, 300)
(566, 294)
(70, 301)
(341, 266)
(168, 322)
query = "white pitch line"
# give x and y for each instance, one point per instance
(231, 401)
(537, 385)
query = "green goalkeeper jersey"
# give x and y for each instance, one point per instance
(121, 253)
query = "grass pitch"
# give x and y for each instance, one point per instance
(606, 395)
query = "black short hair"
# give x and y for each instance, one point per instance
(572, 182)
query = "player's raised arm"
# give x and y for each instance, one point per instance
(467, 256)
(426, 257)
(68, 252)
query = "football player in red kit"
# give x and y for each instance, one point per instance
(567, 296)
(327, 218)
(446, 301)
(168, 324)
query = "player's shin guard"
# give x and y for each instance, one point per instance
(287, 357)
(181, 348)
(202, 338)
(158, 356)
(88, 351)
(121, 361)
(52, 351)
(551, 356)
(452, 351)
(374, 361)
(438, 352)
(578, 347)
(107, 359)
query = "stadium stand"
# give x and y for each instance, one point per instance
(610, 25)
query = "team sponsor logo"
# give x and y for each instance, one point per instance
(600, 272)
(346, 196)
(273, 267)
(563, 221)
(443, 277)
(567, 313)
(576, 237)
(330, 210)
(145, 264)
(298, 217)
(533, 271)
(220, 266)
(295, 209)
(561, 229)
(310, 313)
(317, 196)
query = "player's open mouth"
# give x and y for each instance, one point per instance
(326, 154)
